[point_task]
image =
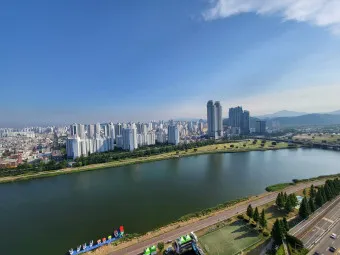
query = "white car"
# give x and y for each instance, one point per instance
(333, 236)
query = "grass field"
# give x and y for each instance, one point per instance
(318, 138)
(230, 239)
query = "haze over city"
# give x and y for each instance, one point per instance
(90, 61)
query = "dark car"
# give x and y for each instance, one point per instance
(332, 249)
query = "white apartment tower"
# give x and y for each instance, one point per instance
(173, 134)
(130, 138)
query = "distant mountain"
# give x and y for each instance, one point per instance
(335, 112)
(306, 120)
(283, 113)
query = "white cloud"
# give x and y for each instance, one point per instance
(325, 13)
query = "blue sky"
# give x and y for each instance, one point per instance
(88, 61)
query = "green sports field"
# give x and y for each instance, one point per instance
(230, 239)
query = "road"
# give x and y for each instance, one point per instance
(171, 235)
(324, 244)
(311, 230)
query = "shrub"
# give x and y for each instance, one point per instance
(265, 233)
(240, 216)
(160, 246)
(232, 146)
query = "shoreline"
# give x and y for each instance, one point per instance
(131, 161)
(234, 207)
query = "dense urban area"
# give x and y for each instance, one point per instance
(56, 147)
(277, 214)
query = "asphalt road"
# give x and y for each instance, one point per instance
(323, 246)
(171, 235)
(310, 230)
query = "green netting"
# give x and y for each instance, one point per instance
(147, 251)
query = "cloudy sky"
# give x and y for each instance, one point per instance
(89, 61)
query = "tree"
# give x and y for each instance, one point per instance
(293, 199)
(328, 192)
(304, 210)
(280, 200)
(311, 205)
(288, 206)
(262, 220)
(285, 197)
(250, 211)
(319, 201)
(304, 192)
(312, 192)
(285, 224)
(160, 246)
(256, 215)
(278, 232)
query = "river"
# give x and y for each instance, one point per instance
(51, 215)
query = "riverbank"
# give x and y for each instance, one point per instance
(133, 244)
(235, 147)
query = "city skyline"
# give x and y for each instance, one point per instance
(89, 62)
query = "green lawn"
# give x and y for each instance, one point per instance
(230, 239)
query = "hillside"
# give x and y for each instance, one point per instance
(308, 119)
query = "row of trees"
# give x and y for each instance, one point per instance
(33, 167)
(286, 202)
(102, 157)
(118, 154)
(254, 214)
(319, 196)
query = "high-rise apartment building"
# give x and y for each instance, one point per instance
(173, 134)
(214, 119)
(130, 138)
(239, 119)
(260, 127)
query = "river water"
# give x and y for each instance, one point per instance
(51, 215)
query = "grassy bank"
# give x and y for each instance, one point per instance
(279, 186)
(235, 147)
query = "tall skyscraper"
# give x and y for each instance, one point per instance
(245, 123)
(235, 117)
(260, 127)
(219, 122)
(214, 119)
(211, 118)
(239, 119)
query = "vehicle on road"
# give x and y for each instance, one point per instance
(317, 253)
(332, 249)
(169, 241)
(333, 236)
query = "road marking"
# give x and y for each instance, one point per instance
(326, 219)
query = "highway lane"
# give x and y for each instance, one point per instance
(323, 246)
(311, 230)
(139, 247)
